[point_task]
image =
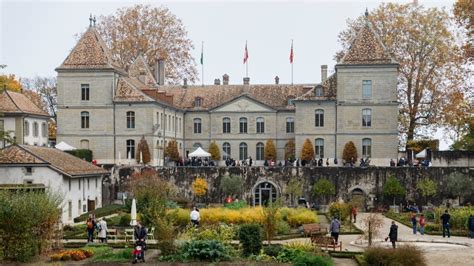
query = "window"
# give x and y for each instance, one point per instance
(319, 148)
(44, 130)
(179, 125)
(84, 119)
(367, 89)
(85, 92)
(226, 125)
(197, 102)
(290, 125)
(319, 118)
(130, 149)
(28, 170)
(366, 147)
(69, 210)
(260, 151)
(79, 184)
(319, 91)
(79, 210)
(260, 125)
(84, 144)
(243, 125)
(226, 149)
(96, 183)
(366, 117)
(88, 184)
(130, 119)
(35, 129)
(197, 125)
(26, 130)
(161, 121)
(243, 151)
(165, 125)
(69, 184)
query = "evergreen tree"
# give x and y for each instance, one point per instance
(290, 150)
(171, 151)
(307, 153)
(392, 188)
(214, 151)
(324, 188)
(350, 152)
(143, 151)
(270, 150)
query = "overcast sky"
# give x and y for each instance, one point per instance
(36, 36)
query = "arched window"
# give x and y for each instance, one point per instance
(197, 125)
(290, 125)
(264, 193)
(366, 147)
(84, 144)
(243, 151)
(35, 129)
(366, 117)
(26, 130)
(197, 102)
(319, 91)
(319, 148)
(226, 125)
(260, 125)
(319, 118)
(84, 119)
(130, 119)
(130, 149)
(44, 130)
(260, 151)
(227, 152)
(243, 125)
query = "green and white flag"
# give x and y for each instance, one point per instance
(202, 53)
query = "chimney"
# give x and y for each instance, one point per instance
(217, 82)
(277, 80)
(246, 81)
(160, 72)
(185, 83)
(225, 79)
(324, 73)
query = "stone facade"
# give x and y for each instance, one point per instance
(329, 114)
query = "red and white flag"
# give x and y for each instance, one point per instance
(291, 53)
(246, 54)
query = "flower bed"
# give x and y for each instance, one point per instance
(74, 254)
(294, 217)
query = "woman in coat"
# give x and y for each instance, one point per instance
(102, 232)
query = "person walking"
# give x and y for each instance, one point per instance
(445, 222)
(195, 217)
(393, 234)
(335, 229)
(354, 213)
(470, 225)
(413, 222)
(422, 224)
(90, 227)
(102, 231)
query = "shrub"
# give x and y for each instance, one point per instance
(288, 254)
(125, 219)
(299, 216)
(282, 227)
(392, 188)
(307, 152)
(200, 187)
(290, 150)
(250, 236)
(350, 152)
(171, 151)
(143, 151)
(270, 219)
(309, 259)
(236, 205)
(231, 185)
(273, 250)
(404, 255)
(205, 250)
(214, 151)
(324, 188)
(270, 150)
(341, 210)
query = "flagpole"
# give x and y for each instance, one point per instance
(292, 61)
(202, 63)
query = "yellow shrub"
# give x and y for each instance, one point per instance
(200, 187)
(299, 216)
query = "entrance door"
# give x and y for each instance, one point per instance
(264, 193)
(90, 205)
(265, 196)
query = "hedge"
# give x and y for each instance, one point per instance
(82, 153)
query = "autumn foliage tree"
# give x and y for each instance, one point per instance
(290, 150)
(431, 68)
(270, 150)
(200, 187)
(171, 151)
(9, 82)
(214, 151)
(307, 152)
(153, 32)
(350, 152)
(143, 151)
(464, 15)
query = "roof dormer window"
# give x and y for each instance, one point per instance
(197, 102)
(318, 91)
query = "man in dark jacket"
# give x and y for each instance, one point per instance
(470, 225)
(140, 234)
(445, 222)
(393, 234)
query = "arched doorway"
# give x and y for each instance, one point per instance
(359, 198)
(264, 192)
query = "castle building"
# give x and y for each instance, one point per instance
(107, 109)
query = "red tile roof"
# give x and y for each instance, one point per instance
(140, 70)
(56, 159)
(17, 103)
(329, 87)
(128, 90)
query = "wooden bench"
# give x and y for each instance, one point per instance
(129, 234)
(112, 233)
(326, 242)
(312, 229)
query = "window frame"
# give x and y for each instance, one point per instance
(35, 129)
(319, 148)
(260, 125)
(226, 125)
(26, 129)
(243, 125)
(130, 148)
(366, 89)
(85, 119)
(197, 102)
(318, 91)
(367, 147)
(243, 151)
(319, 118)
(197, 125)
(290, 125)
(260, 151)
(85, 92)
(227, 149)
(130, 116)
(366, 117)
(44, 130)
